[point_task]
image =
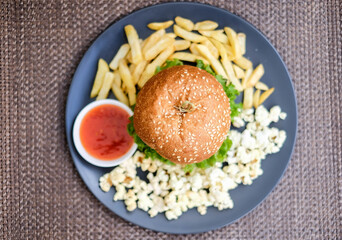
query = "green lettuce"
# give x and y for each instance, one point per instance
(168, 64)
(221, 154)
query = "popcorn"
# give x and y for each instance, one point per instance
(175, 184)
(282, 116)
(158, 205)
(183, 202)
(161, 174)
(170, 200)
(153, 212)
(274, 113)
(232, 169)
(120, 193)
(117, 176)
(153, 167)
(130, 200)
(130, 205)
(238, 122)
(170, 215)
(170, 191)
(194, 199)
(105, 182)
(249, 111)
(196, 182)
(145, 164)
(228, 183)
(202, 210)
(144, 202)
(262, 116)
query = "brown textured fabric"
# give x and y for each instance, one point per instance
(43, 197)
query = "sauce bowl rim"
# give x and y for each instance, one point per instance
(77, 140)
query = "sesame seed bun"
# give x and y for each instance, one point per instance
(183, 113)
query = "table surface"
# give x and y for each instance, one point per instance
(43, 197)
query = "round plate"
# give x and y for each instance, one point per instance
(259, 50)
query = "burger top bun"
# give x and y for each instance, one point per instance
(183, 113)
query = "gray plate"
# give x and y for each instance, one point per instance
(259, 50)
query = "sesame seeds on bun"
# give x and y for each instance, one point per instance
(183, 113)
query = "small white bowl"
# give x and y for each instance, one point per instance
(77, 141)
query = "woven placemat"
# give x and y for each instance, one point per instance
(43, 197)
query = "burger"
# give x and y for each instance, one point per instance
(183, 116)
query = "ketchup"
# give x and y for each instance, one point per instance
(103, 132)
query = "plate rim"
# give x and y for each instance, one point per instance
(115, 21)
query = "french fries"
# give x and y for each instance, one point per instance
(256, 98)
(132, 97)
(216, 34)
(210, 33)
(107, 83)
(138, 71)
(132, 67)
(220, 48)
(239, 73)
(123, 50)
(102, 69)
(193, 49)
(229, 52)
(151, 68)
(206, 25)
(256, 75)
(227, 65)
(133, 40)
(248, 98)
(234, 42)
(184, 23)
(152, 40)
(265, 95)
(129, 57)
(142, 44)
(193, 37)
(119, 94)
(160, 25)
(211, 59)
(126, 75)
(127, 79)
(261, 86)
(181, 45)
(117, 78)
(171, 35)
(244, 81)
(162, 44)
(213, 50)
(189, 57)
(243, 63)
(223, 49)
(242, 41)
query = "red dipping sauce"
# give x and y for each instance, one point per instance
(103, 132)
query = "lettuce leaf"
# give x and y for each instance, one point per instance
(169, 63)
(221, 154)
